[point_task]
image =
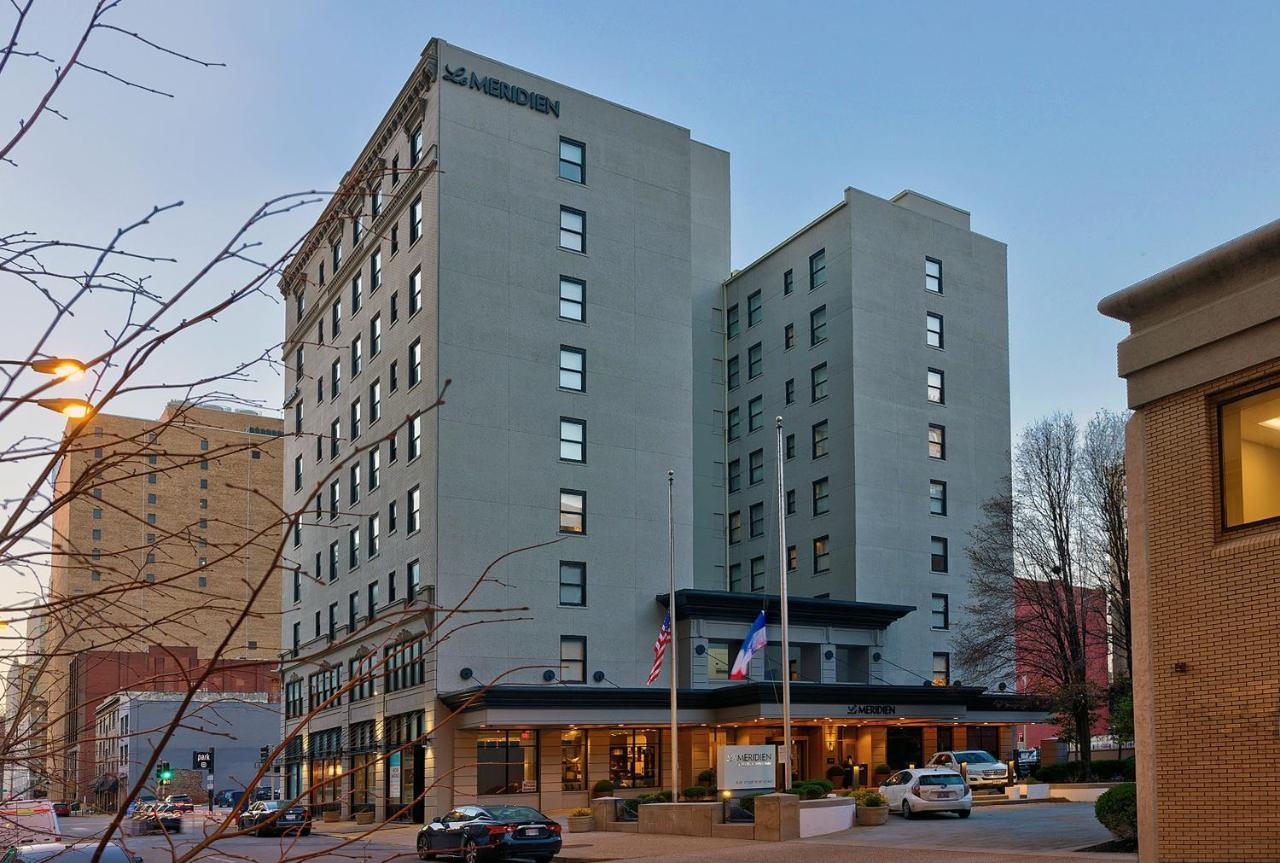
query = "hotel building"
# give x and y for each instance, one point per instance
(561, 262)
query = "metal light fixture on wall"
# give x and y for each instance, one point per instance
(829, 737)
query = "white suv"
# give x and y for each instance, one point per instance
(982, 767)
(927, 789)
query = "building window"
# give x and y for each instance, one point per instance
(788, 282)
(793, 559)
(573, 440)
(415, 294)
(573, 659)
(375, 201)
(735, 577)
(755, 413)
(355, 419)
(731, 322)
(573, 229)
(933, 330)
(415, 146)
(933, 275)
(335, 435)
(393, 376)
(1249, 435)
(573, 760)
(818, 439)
(790, 391)
(573, 369)
(375, 401)
(573, 582)
(573, 161)
(573, 299)
(756, 515)
(353, 548)
(755, 361)
(375, 536)
(297, 429)
(635, 758)
(734, 424)
(756, 466)
(817, 326)
(937, 441)
(375, 335)
(942, 669)
(818, 382)
(818, 269)
(415, 437)
(297, 478)
(937, 554)
(333, 561)
(507, 762)
(335, 494)
(735, 475)
(415, 362)
(821, 496)
(402, 666)
(940, 612)
(791, 501)
(735, 527)
(357, 355)
(788, 337)
(573, 511)
(789, 446)
(413, 579)
(335, 318)
(732, 372)
(937, 497)
(413, 502)
(357, 294)
(415, 220)
(821, 555)
(936, 387)
(757, 574)
(336, 249)
(754, 309)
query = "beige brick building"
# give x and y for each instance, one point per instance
(171, 526)
(1202, 363)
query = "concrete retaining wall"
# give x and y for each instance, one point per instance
(825, 816)
(1082, 792)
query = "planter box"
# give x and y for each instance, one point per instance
(1036, 791)
(581, 823)
(870, 816)
(364, 817)
(1013, 792)
(329, 816)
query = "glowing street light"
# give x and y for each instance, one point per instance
(76, 409)
(60, 367)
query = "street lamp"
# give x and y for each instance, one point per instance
(60, 367)
(76, 409)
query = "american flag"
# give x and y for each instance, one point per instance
(660, 649)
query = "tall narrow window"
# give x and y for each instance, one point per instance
(731, 322)
(375, 271)
(375, 536)
(573, 299)
(413, 579)
(375, 201)
(789, 391)
(573, 440)
(755, 309)
(357, 355)
(415, 437)
(375, 401)
(573, 229)
(821, 554)
(788, 337)
(353, 548)
(755, 361)
(733, 372)
(735, 475)
(335, 436)
(933, 275)
(375, 468)
(354, 484)
(573, 511)
(938, 554)
(357, 229)
(757, 574)
(756, 519)
(413, 503)
(733, 425)
(415, 362)
(937, 497)
(573, 369)
(818, 269)
(936, 387)
(942, 669)
(573, 161)
(297, 477)
(755, 413)
(818, 439)
(573, 583)
(357, 293)
(821, 496)
(937, 441)
(756, 466)
(335, 378)
(415, 220)
(336, 250)
(355, 419)
(788, 282)
(735, 527)
(415, 146)
(940, 611)
(415, 293)
(933, 330)
(375, 335)
(735, 577)
(818, 382)
(573, 659)
(818, 325)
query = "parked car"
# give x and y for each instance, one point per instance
(158, 816)
(181, 802)
(228, 797)
(927, 789)
(266, 792)
(62, 809)
(82, 852)
(491, 832)
(983, 768)
(265, 817)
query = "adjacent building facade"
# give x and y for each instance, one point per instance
(1202, 363)
(476, 584)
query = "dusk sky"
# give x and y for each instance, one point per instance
(1101, 143)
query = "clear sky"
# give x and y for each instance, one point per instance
(1102, 142)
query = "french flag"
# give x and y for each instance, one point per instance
(755, 641)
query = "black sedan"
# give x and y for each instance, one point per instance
(491, 832)
(265, 817)
(158, 816)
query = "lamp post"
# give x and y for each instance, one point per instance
(76, 409)
(67, 368)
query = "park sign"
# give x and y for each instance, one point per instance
(202, 761)
(748, 768)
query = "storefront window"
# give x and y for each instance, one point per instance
(363, 745)
(1249, 431)
(403, 769)
(573, 761)
(326, 766)
(634, 756)
(507, 762)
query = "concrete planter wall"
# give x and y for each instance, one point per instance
(872, 816)
(818, 817)
(1035, 791)
(581, 823)
(1080, 792)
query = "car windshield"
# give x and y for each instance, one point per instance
(975, 757)
(941, 779)
(270, 806)
(515, 813)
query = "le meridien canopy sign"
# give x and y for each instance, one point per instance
(745, 768)
(499, 89)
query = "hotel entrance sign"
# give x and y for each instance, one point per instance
(748, 768)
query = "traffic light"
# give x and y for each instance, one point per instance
(166, 772)
(264, 752)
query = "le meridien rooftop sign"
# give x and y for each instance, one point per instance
(499, 89)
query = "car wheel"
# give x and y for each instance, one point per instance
(906, 810)
(470, 854)
(423, 852)
(964, 813)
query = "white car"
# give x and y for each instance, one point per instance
(982, 767)
(927, 789)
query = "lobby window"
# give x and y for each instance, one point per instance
(573, 229)
(415, 362)
(822, 554)
(818, 326)
(933, 275)
(731, 322)
(937, 387)
(415, 146)
(938, 554)
(573, 583)
(937, 441)
(413, 503)
(734, 424)
(415, 294)
(732, 372)
(573, 760)
(757, 519)
(507, 762)
(1249, 436)
(821, 496)
(757, 574)
(755, 413)
(942, 669)
(573, 299)
(735, 577)
(735, 527)
(755, 361)
(789, 394)
(573, 369)
(818, 269)
(415, 220)
(573, 659)
(735, 475)
(818, 439)
(940, 611)
(573, 161)
(788, 282)
(634, 758)
(573, 440)
(788, 337)
(415, 437)
(937, 497)
(818, 382)
(756, 466)
(573, 511)
(375, 335)
(754, 309)
(933, 330)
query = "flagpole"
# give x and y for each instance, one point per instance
(786, 640)
(671, 646)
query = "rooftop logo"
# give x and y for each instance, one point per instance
(499, 89)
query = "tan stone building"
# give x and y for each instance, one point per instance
(1202, 362)
(170, 527)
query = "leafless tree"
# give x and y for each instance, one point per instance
(1103, 488)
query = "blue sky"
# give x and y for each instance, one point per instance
(1102, 142)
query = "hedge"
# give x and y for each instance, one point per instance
(1107, 770)
(1117, 809)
